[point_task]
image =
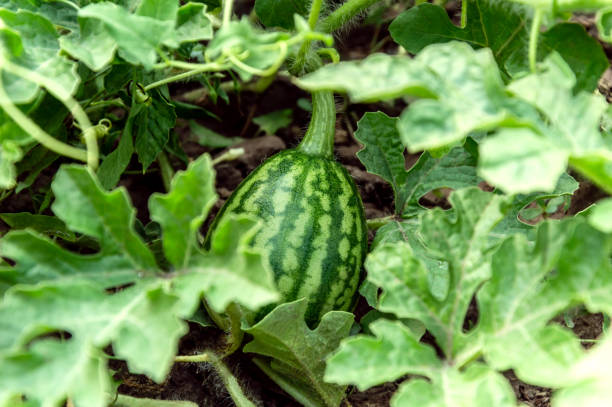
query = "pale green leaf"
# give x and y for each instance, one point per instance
(521, 161)
(229, 270)
(51, 370)
(91, 44)
(601, 216)
(138, 37)
(523, 296)
(139, 321)
(459, 237)
(192, 24)
(296, 354)
(478, 385)
(39, 53)
(394, 352)
(39, 259)
(182, 210)
(209, 138)
(108, 216)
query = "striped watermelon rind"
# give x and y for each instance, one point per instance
(314, 235)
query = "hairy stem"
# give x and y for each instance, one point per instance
(344, 14)
(211, 67)
(464, 16)
(231, 384)
(533, 39)
(166, 170)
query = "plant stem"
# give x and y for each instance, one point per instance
(211, 67)
(319, 138)
(231, 384)
(377, 223)
(73, 106)
(343, 14)
(313, 18)
(199, 358)
(533, 39)
(166, 170)
(227, 11)
(464, 16)
(36, 132)
(235, 332)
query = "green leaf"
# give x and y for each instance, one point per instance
(511, 223)
(470, 97)
(151, 129)
(275, 13)
(137, 36)
(39, 259)
(242, 38)
(366, 361)
(163, 10)
(50, 370)
(10, 154)
(492, 24)
(295, 355)
(383, 151)
(270, 123)
(91, 44)
(108, 216)
(383, 155)
(209, 138)
(192, 24)
(600, 216)
(591, 377)
(459, 237)
(505, 30)
(118, 160)
(521, 161)
(229, 270)
(48, 225)
(139, 321)
(478, 385)
(391, 354)
(182, 210)
(571, 133)
(603, 19)
(583, 53)
(39, 52)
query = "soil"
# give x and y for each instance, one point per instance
(197, 381)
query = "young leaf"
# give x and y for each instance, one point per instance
(209, 138)
(192, 24)
(600, 216)
(459, 237)
(295, 355)
(90, 44)
(108, 216)
(270, 123)
(181, 211)
(229, 270)
(151, 131)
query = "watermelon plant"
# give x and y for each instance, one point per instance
(440, 232)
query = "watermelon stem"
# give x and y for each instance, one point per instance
(319, 138)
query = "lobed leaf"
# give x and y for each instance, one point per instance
(295, 355)
(182, 210)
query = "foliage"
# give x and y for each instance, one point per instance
(502, 123)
